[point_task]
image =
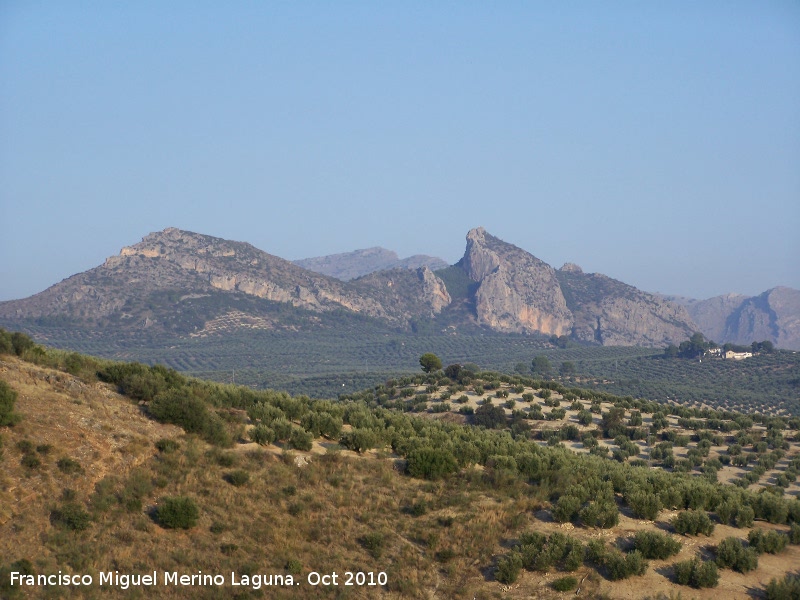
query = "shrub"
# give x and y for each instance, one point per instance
(787, 588)
(262, 435)
(431, 463)
(69, 466)
(655, 545)
(178, 512)
(7, 399)
(696, 573)
(564, 584)
(692, 522)
(731, 554)
(359, 440)
(30, 461)
(71, 516)
(794, 534)
(566, 508)
(770, 542)
(622, 566)
(238, 477)
(374, 542)
(645, 505)
(508, 568)
(744, 517)
(300, 439)
(167, 446)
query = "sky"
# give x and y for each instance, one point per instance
(658, 143)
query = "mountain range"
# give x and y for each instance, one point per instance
(178, 282)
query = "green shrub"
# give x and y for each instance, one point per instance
(71, 516)
(508, 568)
(359, 439)
(771, 542)
(238, 477)
(794, 534)
(374, 543)
(655, 545)
(167, 446)
(7, 399)
(301, 439)
(177, 407)
(622, 566)
(431, 463)
(645, 505)
(692, 522)
(566, 509)
(30, 461)
(262, 435)
(69, 466)
(744, 517)
(564, 584)
(696, 573)
(787, 588)
(178, 512)
(731, 554)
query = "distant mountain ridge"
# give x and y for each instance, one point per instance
(178, 282)
(773, 315)
(351, 265)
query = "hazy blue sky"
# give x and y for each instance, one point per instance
(656, 142)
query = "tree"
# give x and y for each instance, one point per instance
(568, 368)
(540, 365)
(430, 362)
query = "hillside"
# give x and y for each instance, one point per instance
(351, 265)
(156, 283)
(363, 497)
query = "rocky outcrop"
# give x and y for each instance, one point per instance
(351, 265)
(517, 292)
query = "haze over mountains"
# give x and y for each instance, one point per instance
(177, 282)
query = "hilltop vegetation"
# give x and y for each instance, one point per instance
(479, 504)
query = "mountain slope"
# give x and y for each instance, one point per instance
(351, 265)
(516, 292)
(773, 315)
(146, 284)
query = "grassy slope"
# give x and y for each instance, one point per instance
(318, 515)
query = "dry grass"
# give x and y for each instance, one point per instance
(434, 539)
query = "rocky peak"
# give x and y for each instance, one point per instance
(571, 268)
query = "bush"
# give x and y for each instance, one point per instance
(508, 568)
(744, 517)
(645, 505)
(238, 477)
(179, 512)
(770, 542)
(787, 588)
(431, 463)
(7, 399)
(622, 566)
(731, 554)
(30, 461)
(564, 584)
(69, 466)
(71, 516)
(177, 407)
(655, 545)
(359, 440)
(696, 573)
(692, 522)
(373, 543)
(166, 446)
(301, 439)
(566, 508)
(262, 435)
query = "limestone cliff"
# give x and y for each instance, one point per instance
(516, 291)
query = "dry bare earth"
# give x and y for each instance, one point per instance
(312, 510)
